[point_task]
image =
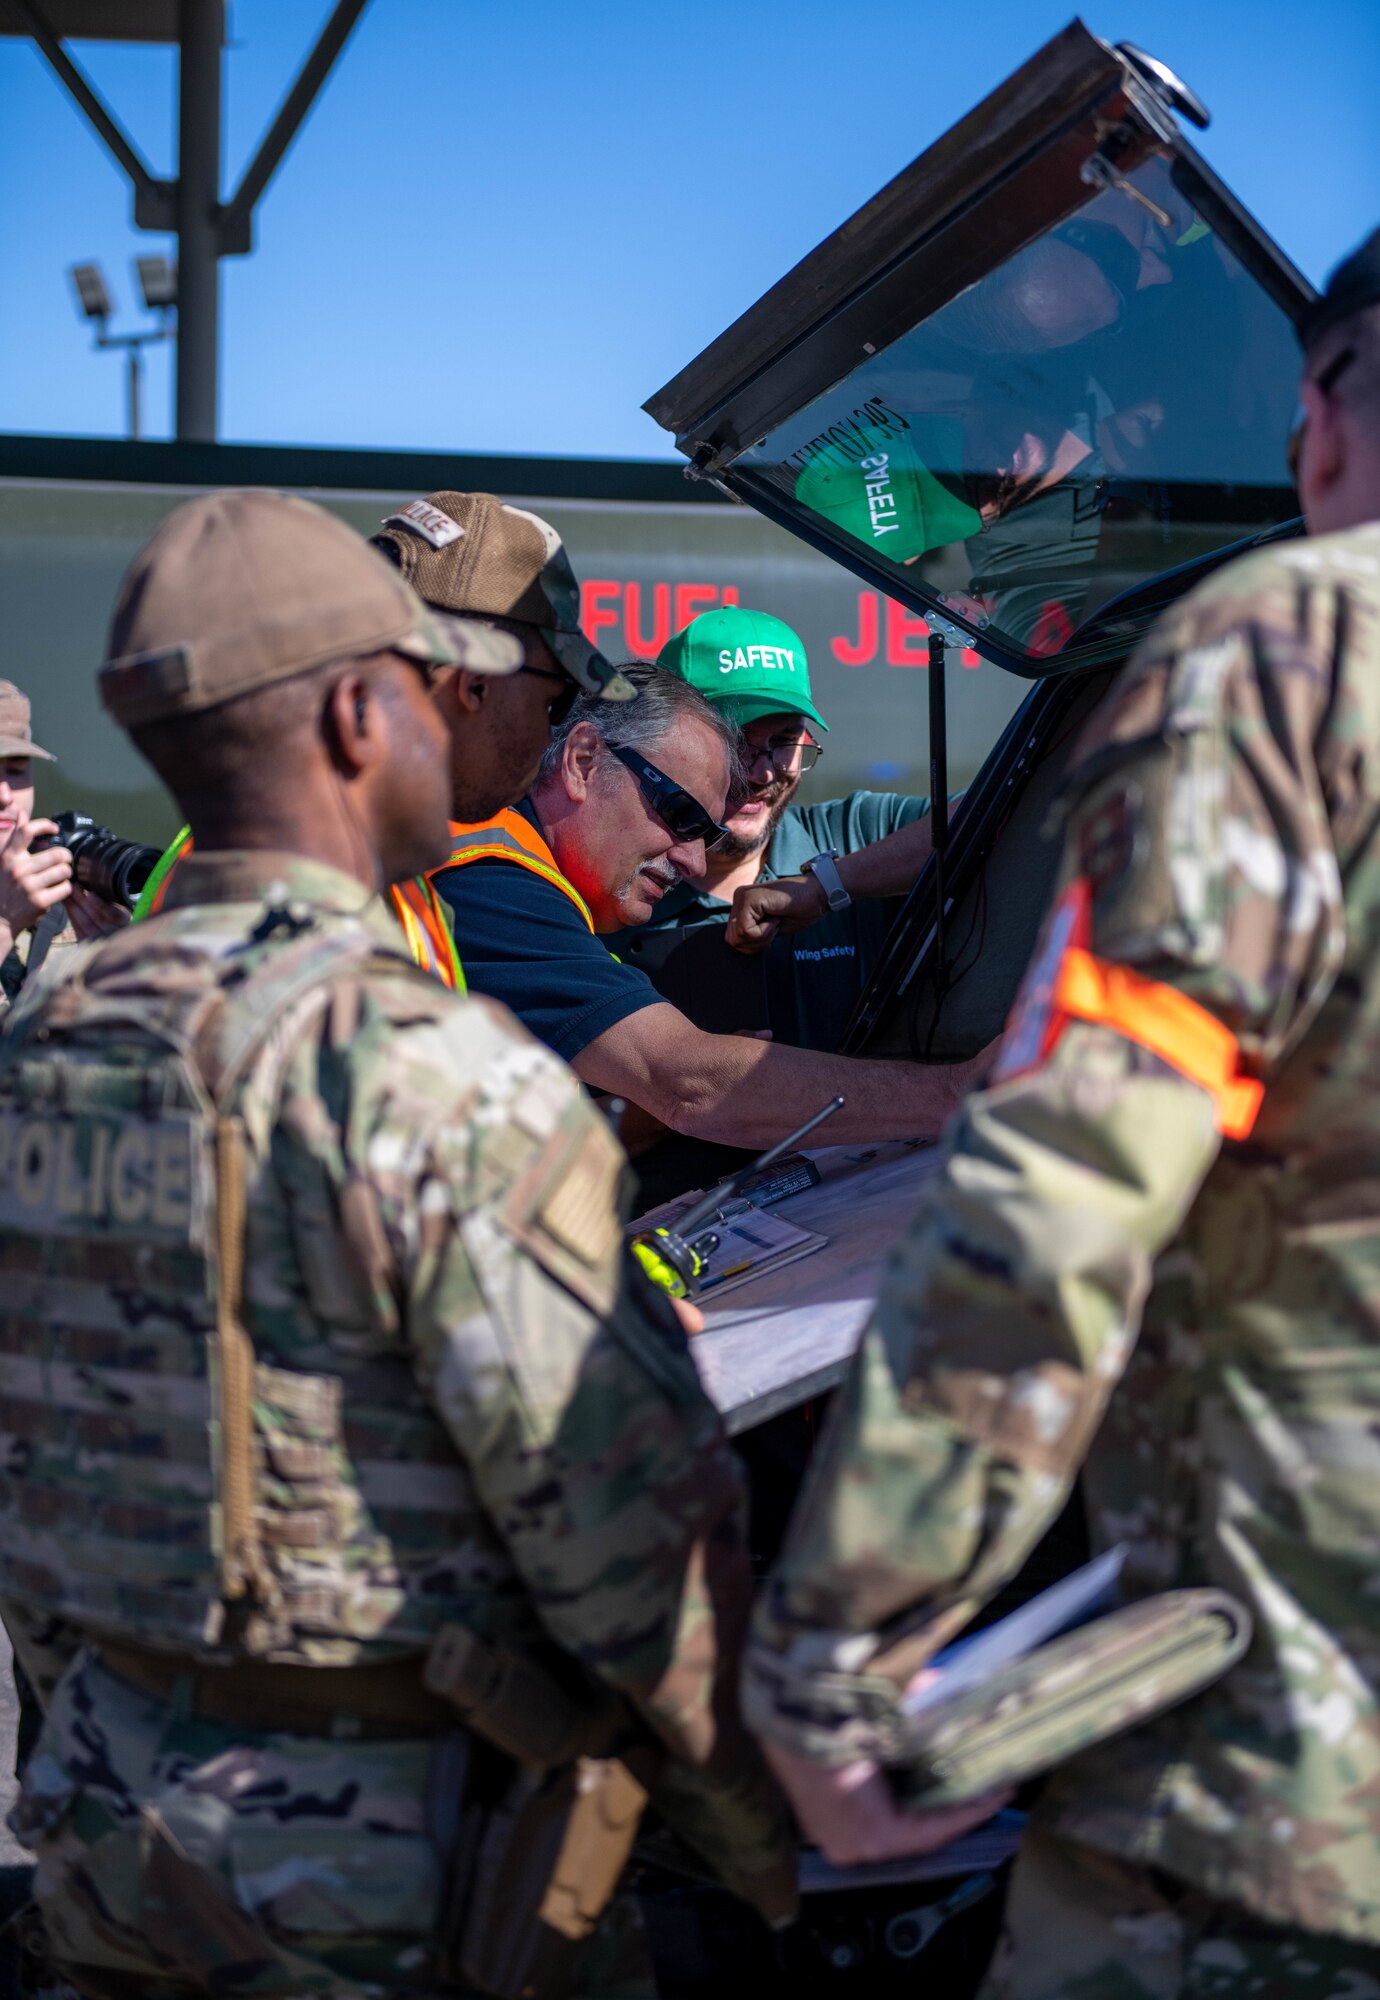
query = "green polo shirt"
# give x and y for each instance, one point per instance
(803, 987)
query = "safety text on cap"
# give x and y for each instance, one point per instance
(881, 501)
(427, 521)
(773, 659)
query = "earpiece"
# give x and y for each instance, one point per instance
(359, 711)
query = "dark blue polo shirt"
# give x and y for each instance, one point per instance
(522, 941)
(803, 987)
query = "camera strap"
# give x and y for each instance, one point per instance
(45, 933)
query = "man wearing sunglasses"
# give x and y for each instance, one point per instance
(629, 797)
(831, 870)
(468, 554)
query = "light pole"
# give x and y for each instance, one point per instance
(158, 283)
(207, 228)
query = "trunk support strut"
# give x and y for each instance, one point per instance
(939, 810)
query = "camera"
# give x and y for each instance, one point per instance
(111, 868)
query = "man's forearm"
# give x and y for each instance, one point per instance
(738, 1092)
(758, 1105)
(888, 867)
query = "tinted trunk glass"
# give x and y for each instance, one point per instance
(1111, 401)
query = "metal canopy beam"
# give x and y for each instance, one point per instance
(207, 229)
(152, 197)
(198, 217)
(237, 217)
(100, 20)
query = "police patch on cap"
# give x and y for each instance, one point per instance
(474, 553)
(419, 517)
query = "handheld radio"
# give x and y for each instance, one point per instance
(674, 1255)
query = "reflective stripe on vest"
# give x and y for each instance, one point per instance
(156, 888)
(1066, 981)
(422, 915)
(416, 906)
(510, 837)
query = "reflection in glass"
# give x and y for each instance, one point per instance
(1109, 403)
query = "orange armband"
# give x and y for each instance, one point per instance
(1068, 982)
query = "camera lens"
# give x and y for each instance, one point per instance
(110, 867)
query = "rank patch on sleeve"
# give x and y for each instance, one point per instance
(581, 1211)
(566, 1211)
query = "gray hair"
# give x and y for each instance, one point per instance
(663, 701)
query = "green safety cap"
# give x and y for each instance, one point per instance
(887, 496)
(746, 660)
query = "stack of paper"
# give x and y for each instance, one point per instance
(971, 1660)
(967, 1663)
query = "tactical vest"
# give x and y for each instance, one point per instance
(162, 1482)
(415, 904)
(509, 837)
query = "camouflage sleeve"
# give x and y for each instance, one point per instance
(1200, 896)
(567, 1385)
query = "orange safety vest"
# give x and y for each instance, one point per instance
(509, 837)
(415, 904)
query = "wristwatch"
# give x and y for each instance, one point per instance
(828, 878)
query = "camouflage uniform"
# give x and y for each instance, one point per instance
(31, 951)
(464, 1409)
(1221, 901)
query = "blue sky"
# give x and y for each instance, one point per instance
(502, 228)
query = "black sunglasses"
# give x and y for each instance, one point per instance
(681, 814)
(1324, 382)
(560, 705)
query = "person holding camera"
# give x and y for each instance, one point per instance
(41, 906)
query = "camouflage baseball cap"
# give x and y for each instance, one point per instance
(472, 552)
(242, 589)
(16, 736)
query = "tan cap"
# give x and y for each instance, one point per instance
(472, 552)
(238, 590)
(16, 735)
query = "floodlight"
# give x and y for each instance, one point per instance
(92, 295)
(157, 281)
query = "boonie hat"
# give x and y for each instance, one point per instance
(238, 590)
(16, 735)
(888, 497)
(473, 553)
(748, 660)
(1354, 285)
